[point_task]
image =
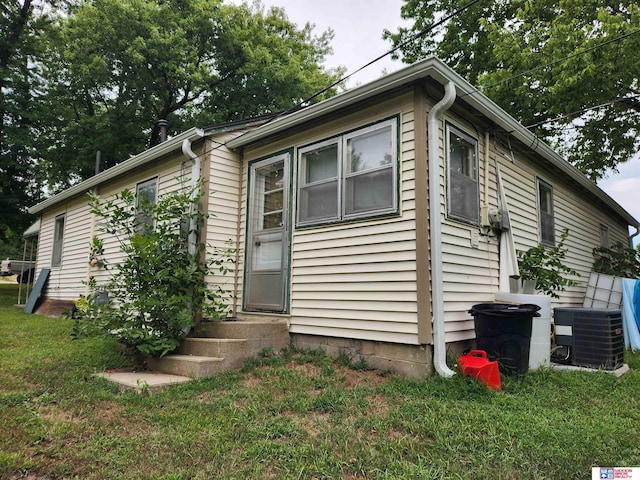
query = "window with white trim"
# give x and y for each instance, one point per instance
(58, 240)
(545, 212)
(463, 199)
(350, 176)
(146, 198)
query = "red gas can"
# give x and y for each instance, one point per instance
(476, 364)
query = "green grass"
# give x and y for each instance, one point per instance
(299, 415)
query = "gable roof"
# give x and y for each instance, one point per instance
(438, 71)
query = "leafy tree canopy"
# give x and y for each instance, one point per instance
(548, 63)
(122, 65)
(82, 76)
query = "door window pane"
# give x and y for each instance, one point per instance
(268, 199)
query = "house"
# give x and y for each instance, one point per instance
(369, 221)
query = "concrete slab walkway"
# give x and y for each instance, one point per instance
(143, 381)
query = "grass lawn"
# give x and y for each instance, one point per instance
(300, 415)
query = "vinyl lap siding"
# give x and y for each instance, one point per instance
(470, 273)
(358, 280)
(222, 205)
(68, 281)
(572, 209)
(65, 282)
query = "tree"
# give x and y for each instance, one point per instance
(20, 24)
(548, 63)
(126, 64)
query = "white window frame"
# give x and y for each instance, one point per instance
(452, 211)
(58, 240)
(142, 218)
(546, 238)
(343, 176)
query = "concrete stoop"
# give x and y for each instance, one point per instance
(221, 346)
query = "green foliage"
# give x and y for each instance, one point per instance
(617, 261)
(159, 287)
(131, 63)
(296, 420)
(546, 266)
(545, 62)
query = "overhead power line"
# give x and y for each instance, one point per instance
(583, 110)
(576, 54)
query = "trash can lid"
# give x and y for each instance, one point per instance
(506, 309)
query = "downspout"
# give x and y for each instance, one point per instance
(437, 292)
(195, 177)
(632, 236)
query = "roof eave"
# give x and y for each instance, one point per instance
(437, 70)
(147, 156)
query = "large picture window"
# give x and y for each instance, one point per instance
(545, 212)
(463, 198)
(58, 240)
(350, 176)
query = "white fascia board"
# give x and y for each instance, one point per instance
(437, 70)
(164, 148)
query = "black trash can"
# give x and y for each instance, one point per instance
(504, 332)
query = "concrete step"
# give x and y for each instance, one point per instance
(213, 347)
(249, 329)
(193, 366)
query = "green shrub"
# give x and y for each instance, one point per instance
(159, 288)
(545, 265)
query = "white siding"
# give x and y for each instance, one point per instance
(65, 281)
(68, 281)
(223, 207)
(573, 209)
(470, 273)
(357, 279)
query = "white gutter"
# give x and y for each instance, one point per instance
(139, 160)
(195, 177)
(437, 294)
(441, 73)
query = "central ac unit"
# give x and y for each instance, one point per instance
(589, 337)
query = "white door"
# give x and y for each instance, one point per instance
(266, 275)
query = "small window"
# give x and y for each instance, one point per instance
(545, 209)
(146, 197)
(463, 193)
(58, 240)
(351, 176)
(604, 236)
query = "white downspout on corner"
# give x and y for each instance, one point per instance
(195, 176)
(437, 295)
(632, 236)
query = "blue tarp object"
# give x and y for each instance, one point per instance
(631, 312)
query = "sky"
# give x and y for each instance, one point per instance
(358, 27)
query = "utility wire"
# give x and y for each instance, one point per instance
(576, 54)
(583, 110)
(413, 38)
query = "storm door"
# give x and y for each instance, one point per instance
(268, 236)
